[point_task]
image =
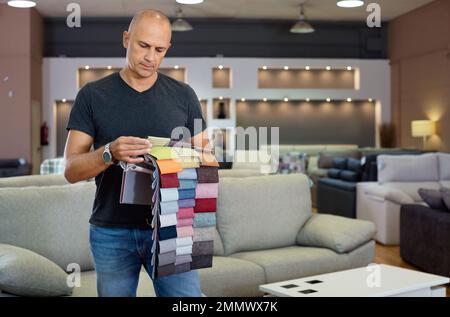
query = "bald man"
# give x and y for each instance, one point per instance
(116, 114)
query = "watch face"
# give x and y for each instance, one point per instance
(106, 157)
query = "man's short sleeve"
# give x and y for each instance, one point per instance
(195, 114)
(81, 116)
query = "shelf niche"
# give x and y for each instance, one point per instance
(306, 79)
(221, 77)
(221, 108)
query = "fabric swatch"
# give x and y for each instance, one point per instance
(169, 207)
(186, 231)
(207, 174)
(203, 234)
(167, 233)
(169, 180)
(169, 166)
(168, 220)
(203, 248)
(186, 193)
(187, 184)
(185, 222)
(187, 173)
(205, 205)
(167, 245)
(184, 213)
(204, 219)
(185, 203)
(184, 241)
(207, 190)
(167, 258)
(201, 261)
(169, 194)
(184, 250)
(180, 259)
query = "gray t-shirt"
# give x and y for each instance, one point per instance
(108, 109)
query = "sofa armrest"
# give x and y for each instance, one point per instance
(388, 193)
(340, 234)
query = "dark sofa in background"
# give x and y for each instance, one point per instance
(14, 167)
(425, 238)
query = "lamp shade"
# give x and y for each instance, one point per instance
(422, 128)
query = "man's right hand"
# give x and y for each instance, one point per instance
(128, 149)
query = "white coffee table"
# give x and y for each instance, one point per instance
(371, 281)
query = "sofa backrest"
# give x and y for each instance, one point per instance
(408, 168)
(52, 221)
(262, 212)
(444, 166)
(33, 180)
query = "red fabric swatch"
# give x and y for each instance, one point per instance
(205, 205)
(170, 180)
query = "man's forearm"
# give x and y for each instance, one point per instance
(84, 166)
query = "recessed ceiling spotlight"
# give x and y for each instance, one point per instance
(264, 67)
(328, 68)
(220, 67)
(109, 67)
(189, 1)
(220, 98)
(350, 3)
(349, 68)
(264, 99)
(308, 100)
(86, 67)
(22, 4)
(286, 99)
(243, 99)
(328, 99)
(64, 100)
(370, 99)
(176, 67)
(307, 68)
(349, 99)
(286, 67)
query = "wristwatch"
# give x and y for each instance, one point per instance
(107, 156)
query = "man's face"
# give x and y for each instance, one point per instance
(146, 45)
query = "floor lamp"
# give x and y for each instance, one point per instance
(424, 129)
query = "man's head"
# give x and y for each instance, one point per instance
(147, 41)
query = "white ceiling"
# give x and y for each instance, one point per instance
(267, 9)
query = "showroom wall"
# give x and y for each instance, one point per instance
(21, 34)
(419, 49)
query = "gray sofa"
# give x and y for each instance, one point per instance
(265, 233)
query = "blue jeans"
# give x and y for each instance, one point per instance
(118, 257)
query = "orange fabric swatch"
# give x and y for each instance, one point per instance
(169, 166)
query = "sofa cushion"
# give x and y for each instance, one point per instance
(444, 166)
(334, 173)
(340, 163)
(336, 233)
(408, 168)
(412, 188)
(52, 221)
(26, 273)
(350, 176)
(325, 159)
(294, 262)
(354, 165)
(338, 183)
(262, 212)
(231, 277)
(433, 197)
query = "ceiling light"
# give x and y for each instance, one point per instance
(189, 1)
(307, 68)
(243, 99)
(349, 68)
(328, 99)
(307, 99)
(22, 4)
(328, 68)
(349, 99)
(286, 67)
(86, 67)
(370, 99)
(220, 98)
(220, 67)
(109, 67)
(286, 99)
(302, 26)
(264, 67)
(350, 3)
(176, 67)
(63, 100)
(180, 24)
(264, 99)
